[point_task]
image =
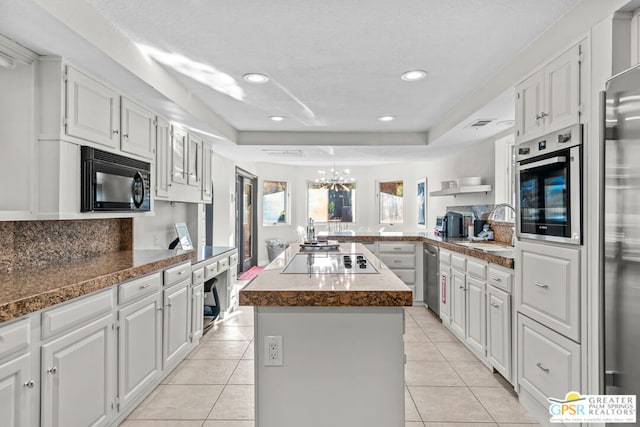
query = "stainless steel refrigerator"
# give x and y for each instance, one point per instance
(621, 234)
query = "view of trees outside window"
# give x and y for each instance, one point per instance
(333, 203)
(391, 206)
(274, 202)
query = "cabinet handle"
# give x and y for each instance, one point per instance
(541, 366)
(396, 261)
(29, 384)
(53, 370)
(168, 304)
(116, 131)
(542, 285)
(497, 279)
(180, 273)
(145, 286)
(542, 115)
(397, 248)
(125, 135)
(160, 308)
(493, 304)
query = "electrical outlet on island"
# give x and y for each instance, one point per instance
(272, 351)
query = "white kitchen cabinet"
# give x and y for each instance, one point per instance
(18, 386)
(401, 258)
(194, 161)
(499, 331)
(177, 322)
(137, 129)
(475, 315)
(178, 155)
(445, 294)
(549, 100)
(163, 158)
(207, 164)
(78, 373)
(92, 110)
(139, 346)
(197, 312)
(458, 306)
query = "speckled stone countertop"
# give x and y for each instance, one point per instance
(271, 288)
(504, 259)
(29, 290)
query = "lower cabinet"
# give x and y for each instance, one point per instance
(16, 389)
(476, 310)
(458, 306)
(499, 331)
(177, 322)
(197, 310)
(78, 373)
(139, 347)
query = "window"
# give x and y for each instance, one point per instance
(390, 198)
(274, 202)
(335, 202)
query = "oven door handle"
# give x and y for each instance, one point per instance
(545, 162)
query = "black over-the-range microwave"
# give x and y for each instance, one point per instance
(114, 183)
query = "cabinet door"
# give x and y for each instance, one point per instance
(194, 165)
(177, 322)
(499, 330)
(179, 156)
(562, 91)
(139, 347)
(77, 377)
(529, 106)
(476, 310)
(163, 165)
(138, 129)
(92, 110)
(458, 303)
(445, 294)
(207, 164)
(16, 389)
(197, 313)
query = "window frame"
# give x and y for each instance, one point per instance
(379, 200)
(354, 200)
(287, 203)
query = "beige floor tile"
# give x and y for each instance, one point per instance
(518, 425)
(250, 353)
(240, 317)
(410, 410)
(212, 423)
(414, 334)
(181, 402)
(455, 352)
(228, 333)
(244, 373)
(202, 371)
(162, 423)
(133, 415)
(502, 405)
(460, 424)
(424, 373)
(235, 403)
(477, 374)
(413, 424)
(422, 351)
(448, 404)
(220, 350)
(440, 334)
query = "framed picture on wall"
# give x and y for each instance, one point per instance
(421, 203)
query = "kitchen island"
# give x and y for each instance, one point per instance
(328, 341)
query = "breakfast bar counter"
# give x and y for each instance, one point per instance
(328, 340)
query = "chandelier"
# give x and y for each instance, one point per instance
(334, 180)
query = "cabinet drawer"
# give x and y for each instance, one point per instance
(399, 260)
(400, 247)
(500, 279)
(137, 288)
(15, 337)
(177, 273)
(549, 364)
(76, 313)
(210, 270)
(407, 276)
(477, 269)
(233, 259)
(458, 262)
(197, 276)
(223, 264)
(549, 287)
(445, 257)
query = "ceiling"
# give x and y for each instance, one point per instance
(334, 67)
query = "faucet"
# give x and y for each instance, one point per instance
(513, 228)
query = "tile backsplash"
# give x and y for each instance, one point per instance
(39, 243)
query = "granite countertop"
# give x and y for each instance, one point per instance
(272, 288)
(31, 289)
(504, 259)
(207, 252)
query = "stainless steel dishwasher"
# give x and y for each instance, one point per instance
(431, 277)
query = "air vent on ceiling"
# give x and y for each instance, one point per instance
(479, 123)
(284, 153)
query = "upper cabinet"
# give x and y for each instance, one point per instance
(178, 156)
(207, 164)
(163, 158)
(194, 161)
(549, 100)
(137, 129)
(189, 169)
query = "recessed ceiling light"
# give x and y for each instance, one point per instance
(256, 78)
(413, 75)
(386, 118)
(276, 118)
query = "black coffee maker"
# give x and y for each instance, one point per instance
(453, 224)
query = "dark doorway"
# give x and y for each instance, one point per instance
(246, 219)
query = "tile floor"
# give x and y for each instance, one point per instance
(446, 386)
